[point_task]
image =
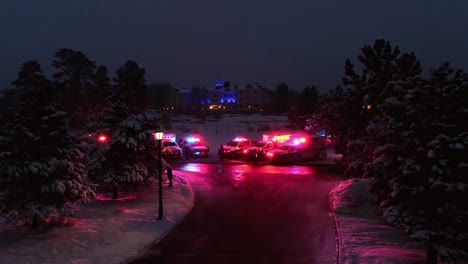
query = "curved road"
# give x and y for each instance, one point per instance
(252, 214)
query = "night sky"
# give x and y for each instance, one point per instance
(298, 42)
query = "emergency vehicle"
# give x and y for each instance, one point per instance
(194, 146)
(297, 147)
(170, 149)
(235, 148)
(257, 151)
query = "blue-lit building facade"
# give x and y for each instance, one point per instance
(225, 99)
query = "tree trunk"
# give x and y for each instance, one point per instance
(431, 256)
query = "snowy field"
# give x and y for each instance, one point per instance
(220, 131)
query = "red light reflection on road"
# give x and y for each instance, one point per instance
(299, 170)
(249, 168)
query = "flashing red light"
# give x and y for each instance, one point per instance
(103, 138)
(239, 139)
(269, 154)
(90, 135)
(245, 151)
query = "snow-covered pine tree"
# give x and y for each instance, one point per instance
(131, 84)
(381, 63)
(423, 162)
(130, 156)
(40, 163)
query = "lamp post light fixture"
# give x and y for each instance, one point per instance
(159, 136)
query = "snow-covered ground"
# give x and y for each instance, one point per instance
(105, 231)
(364, 236)
(110, 231)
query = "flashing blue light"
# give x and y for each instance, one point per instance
(192, 139)
(222, 100)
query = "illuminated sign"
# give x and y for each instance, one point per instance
(169, 137)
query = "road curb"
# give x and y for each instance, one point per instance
(339, 254)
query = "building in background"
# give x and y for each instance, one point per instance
(255, 99)
(221, 98)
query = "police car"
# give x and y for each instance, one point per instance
(170, 149)
(235, 148)
(194, 146)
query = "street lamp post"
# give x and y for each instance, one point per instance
(159, 136)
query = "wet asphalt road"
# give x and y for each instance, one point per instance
(252, 214)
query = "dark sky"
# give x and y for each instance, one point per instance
(185, 42)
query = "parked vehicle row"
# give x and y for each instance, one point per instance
(276, 148)
(187, 147)
(271, 148)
